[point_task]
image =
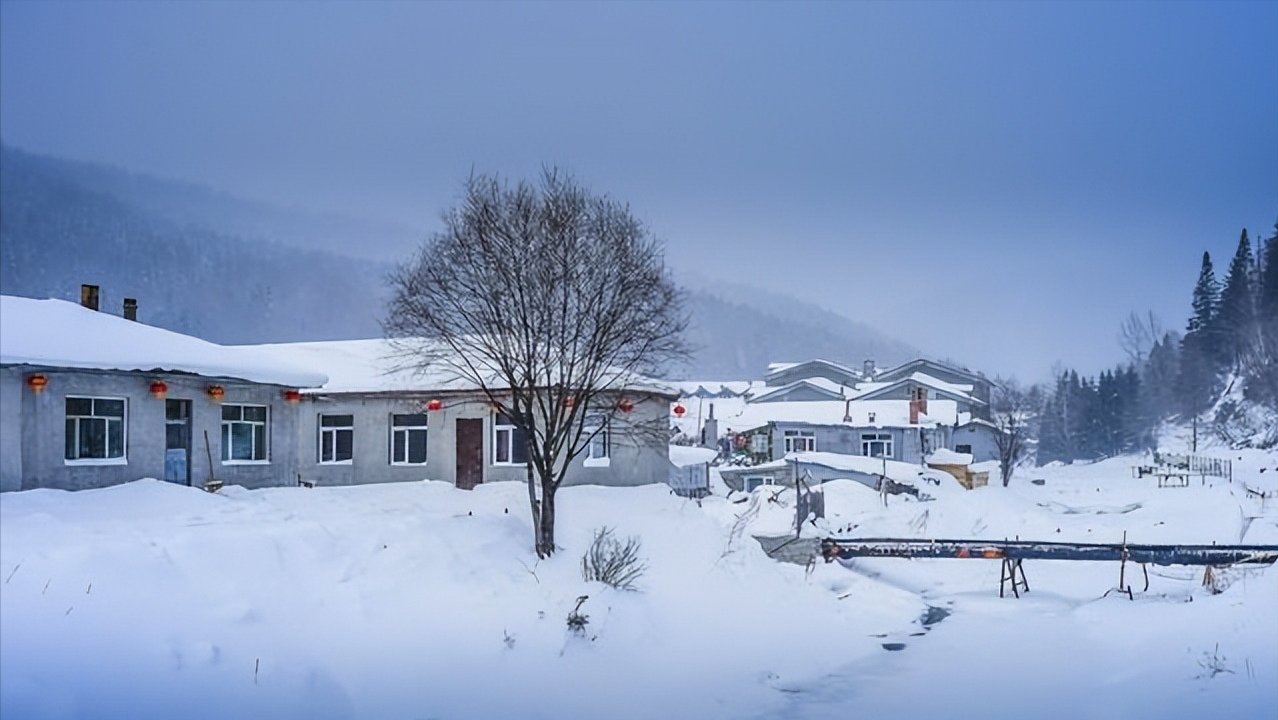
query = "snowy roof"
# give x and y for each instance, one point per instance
(778, 368)
(949, 457)
(826, 387)
(61, 334)
(899, 471)
(375, 365)
(868, 390)
(932, 363)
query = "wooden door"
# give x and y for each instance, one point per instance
(470, 453)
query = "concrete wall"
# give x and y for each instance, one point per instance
(43, 430)
(980, 437)
(636, 458)
(11, 390)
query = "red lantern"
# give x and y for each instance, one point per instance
(435, 404)
(292, 396)
(159, 389)
(625, 406)
(37, 382)
(216, 393)
(679, 410)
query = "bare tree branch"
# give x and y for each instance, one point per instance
(552, 301)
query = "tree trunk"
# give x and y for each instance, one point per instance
(536, 511)
(546, 526)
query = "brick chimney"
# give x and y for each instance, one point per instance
(131, 309)
(867, 370)
(89, 296)
(918, 404)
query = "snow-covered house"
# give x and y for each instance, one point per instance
(972, 383)
(820, 467)
(89, 399)
(902, 413)
(893, 429)
(374, 422)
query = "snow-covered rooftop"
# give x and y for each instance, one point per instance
(944, 456)
(963, 391)
(818, 383)
(899, 471)
(61, 334)
(375, 365)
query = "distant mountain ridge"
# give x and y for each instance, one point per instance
(240, 271)
(56, 233)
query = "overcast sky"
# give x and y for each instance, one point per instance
(997, 183)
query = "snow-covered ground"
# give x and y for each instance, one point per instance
(422, 601)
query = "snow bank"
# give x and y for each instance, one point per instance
(419, 600)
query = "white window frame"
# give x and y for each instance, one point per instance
(122, 420)
(791, 438)
(759, 481)
(406, 430)
(329, 435)
(597, 427)
(869, 440)
(228, 433)
(504, 439)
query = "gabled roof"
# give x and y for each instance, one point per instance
(911, 366)
(871, 391)
(824, 390)
(778, 369)
(61, 334)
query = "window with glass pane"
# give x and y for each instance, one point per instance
(876, 444)
(510, 447)
(596, 428)
(408, 439)
(800, 441)
(94, 428)
(337, 438)
(244, 432)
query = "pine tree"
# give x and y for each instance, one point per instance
(1206, 298)
(1236, 312)
(1260, 365)
(1196, 383)
(1267, 293)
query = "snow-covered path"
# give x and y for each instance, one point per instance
(422, 601)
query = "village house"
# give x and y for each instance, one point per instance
(902, 414)
(374, 422)
(89, 399)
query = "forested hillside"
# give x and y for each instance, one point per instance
(56, 234)
(239, 271)
(1220, 377)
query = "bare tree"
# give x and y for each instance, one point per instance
(551, 300)
(1138, 335)
(1012, 408)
